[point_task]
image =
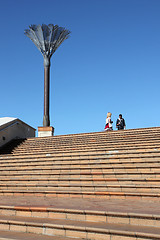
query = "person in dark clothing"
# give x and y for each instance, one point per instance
(120, 124)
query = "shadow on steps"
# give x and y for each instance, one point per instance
(10, 146)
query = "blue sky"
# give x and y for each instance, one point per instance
(111, 62)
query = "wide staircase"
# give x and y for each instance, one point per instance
(103, 185)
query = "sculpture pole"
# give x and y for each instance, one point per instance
(47, 39)
(46, 117)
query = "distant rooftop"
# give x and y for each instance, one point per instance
(5, 120)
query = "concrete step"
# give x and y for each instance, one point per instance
(85, 163)
(105, 144)
(83, 187)
(85, 194)
(77, 229)
(139, 182)
(140, 217)
(83, 156)
(14, 235)
(98, 137)
(85, 149)
(83, 181)
(81, 165)
(99, 141)
(85, 174)
(131, 218)
(102, 168)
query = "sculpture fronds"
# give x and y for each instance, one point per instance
(47, 38)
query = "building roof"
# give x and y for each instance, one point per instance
(5, 120)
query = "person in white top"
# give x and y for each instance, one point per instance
(109, 122)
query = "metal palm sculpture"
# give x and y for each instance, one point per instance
(47, 38)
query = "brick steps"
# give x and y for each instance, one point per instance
(84, 156)
(78, 168)
(93, 168)
(88, 174)
(107, 181)
(85, 149)
(140, 219)
(91, 141)
(10, 235)
(94, 137)
(81, 188)
(85, 164)
(98, 135)
(84, 194)
(133, 177)
(96, 168)
(108, 145)
(81, 163)
(121, 149)
(53, 141)
(78, 186)
(83, 169)
(77, 229)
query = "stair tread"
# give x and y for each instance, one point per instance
(10, 235)
(68, 156)
(79, 185)
(81, 167)
(83, 192)
(97, 162)
(82, 225)
(104, 212)
(81, 174)
(144, 179)
(114, 205)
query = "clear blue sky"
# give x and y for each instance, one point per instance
(111, 62)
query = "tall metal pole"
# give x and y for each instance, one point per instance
(46, 117)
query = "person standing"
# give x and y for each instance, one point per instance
(120, 124)
(109, 122)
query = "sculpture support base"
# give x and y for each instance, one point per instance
(45, 131)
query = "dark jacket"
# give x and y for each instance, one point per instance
(121, 122)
